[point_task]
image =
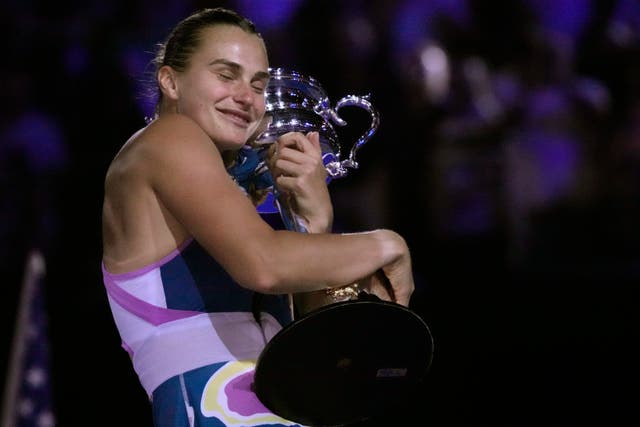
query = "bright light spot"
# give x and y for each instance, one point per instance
(436, 72)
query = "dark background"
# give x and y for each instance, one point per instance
(508, 156)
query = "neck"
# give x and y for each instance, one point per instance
(229, 157)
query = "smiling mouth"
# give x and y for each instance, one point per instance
(239, 119)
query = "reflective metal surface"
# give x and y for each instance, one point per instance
(298, 103)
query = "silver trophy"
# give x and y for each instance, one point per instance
(298, 103)
(346, 348)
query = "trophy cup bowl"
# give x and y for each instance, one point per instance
(298, 103)
(348, 354)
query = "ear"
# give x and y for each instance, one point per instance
(167, 82)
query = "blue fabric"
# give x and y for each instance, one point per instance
(193, 280)
(250, 170)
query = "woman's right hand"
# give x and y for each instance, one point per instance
(377, 284)
(399, 272)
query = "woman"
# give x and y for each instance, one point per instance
(184, 250)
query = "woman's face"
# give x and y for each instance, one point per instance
(223, 87)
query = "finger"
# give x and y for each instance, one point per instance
(379, 291)
(292, 139)
(292, 168)
(306, 144)
(296, 185)
(403, 301)
(314, 139)
(289, 184)
(402, 297)
(297, 156)
(311, 145)
(291, 162)
(284, 149)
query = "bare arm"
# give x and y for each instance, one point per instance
(188, 176)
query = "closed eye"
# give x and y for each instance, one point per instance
(226, 76)
(259, 88)
(260, 81)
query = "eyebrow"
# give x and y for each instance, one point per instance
(260, 75)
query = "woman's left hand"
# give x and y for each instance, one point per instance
(295, 162)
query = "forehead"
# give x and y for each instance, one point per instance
(232, 43)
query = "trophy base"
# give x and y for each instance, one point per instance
(344, 362)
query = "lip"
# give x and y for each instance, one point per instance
(240, 118)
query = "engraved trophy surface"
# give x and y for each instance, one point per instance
(298, 103)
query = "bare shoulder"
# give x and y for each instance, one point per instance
(175, 140)
(170, 127)
(172, 134)
(161, 145)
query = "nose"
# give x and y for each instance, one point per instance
(244, 93)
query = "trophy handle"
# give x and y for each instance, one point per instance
(337, 168)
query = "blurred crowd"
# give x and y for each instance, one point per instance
(508, 149)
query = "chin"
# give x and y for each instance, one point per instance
(230, 139)
(230, 144)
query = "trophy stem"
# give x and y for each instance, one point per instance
(291, 220)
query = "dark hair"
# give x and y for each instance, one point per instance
(185, 38)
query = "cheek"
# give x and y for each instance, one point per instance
(214, 93)
(260, 106)
(205, 89)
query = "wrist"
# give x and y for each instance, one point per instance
(321, 224)
(393, 246)
(321, 221)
